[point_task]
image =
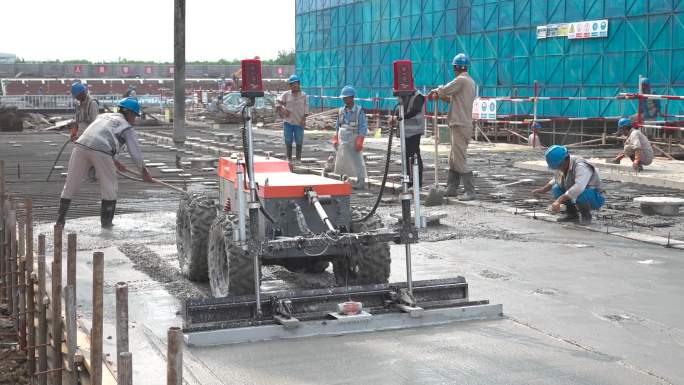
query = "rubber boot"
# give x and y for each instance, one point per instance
(452, 183)
(63, 208)
(288, 151)
(585, 212)
(299, 153)
(571, 214)
(107, 214)
(468, 186)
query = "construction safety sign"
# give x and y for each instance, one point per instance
(588, 29)
(484, 109)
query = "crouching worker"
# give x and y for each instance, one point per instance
(351, 129)
(637, 147)
(97, 147)
(576, 184)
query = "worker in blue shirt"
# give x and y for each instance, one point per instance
(351, 129)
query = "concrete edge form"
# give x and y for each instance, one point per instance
(392, 321)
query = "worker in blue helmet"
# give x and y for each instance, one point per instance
(293, 108)
(649, 108)
(98, 147)
(460, 94)
(87, 109)
(576, 184)
(351, 129)
(533, 140)
(637, 147)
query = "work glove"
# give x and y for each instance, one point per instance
(637, 161)
(73, 131)
(358, 144)
(335, 141)
(146, 175)
(120, 166)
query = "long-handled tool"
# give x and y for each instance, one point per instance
(435, 195)
(130, 173)
(59, 154)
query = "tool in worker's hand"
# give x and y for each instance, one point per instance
(130, 174)
(435, 196)
(59, 154)
(521, 181)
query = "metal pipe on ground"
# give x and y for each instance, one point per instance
(57, 306)
(174, 356)
(124, 369)
(97, 324)
(121, 289)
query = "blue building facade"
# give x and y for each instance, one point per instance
(354, 42)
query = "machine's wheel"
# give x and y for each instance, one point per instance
(231, 269)
(367, 263)
(193, 219)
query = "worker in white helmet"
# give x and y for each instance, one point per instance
(460, 94)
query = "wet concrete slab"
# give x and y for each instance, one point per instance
(581, 307)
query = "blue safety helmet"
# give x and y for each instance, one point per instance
(293, 79)
(348, 91)
(461, 60)
(555, 155)
(536, 126)
(77, 88)
(624, 122)
(130, 104)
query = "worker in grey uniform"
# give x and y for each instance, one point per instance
(460, 94)
(637, 146)
(97, 147)
(351, 129)
(576, 184)
(87, 109)
(414, 128)
(293, 108)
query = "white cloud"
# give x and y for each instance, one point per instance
(143, 29)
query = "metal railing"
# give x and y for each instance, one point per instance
(66, 102)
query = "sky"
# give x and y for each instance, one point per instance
(143, 29)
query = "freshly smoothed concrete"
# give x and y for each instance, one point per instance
(581, 308)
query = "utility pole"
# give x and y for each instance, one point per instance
(179, 78)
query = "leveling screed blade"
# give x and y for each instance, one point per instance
(303, 313)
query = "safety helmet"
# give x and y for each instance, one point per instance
(130, 104)
(624, 122)
(348, 91)
(461, 60)
(77, 88)
(536, 126)
(293, 79)
(555, 155)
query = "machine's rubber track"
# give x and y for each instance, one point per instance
(231, 269)
(193, 219)
(368, 263)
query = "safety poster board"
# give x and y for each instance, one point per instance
(484, 109)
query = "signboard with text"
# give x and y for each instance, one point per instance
(484, 109)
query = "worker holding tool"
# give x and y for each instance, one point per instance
(576, 184)
(637, 147)
(351, 129)
(292, 107)
(414, 127)
(97, 147)
(460, 94)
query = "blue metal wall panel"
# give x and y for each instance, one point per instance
(342, 42)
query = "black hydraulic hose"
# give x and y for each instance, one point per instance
(384, 178)
(263, 210)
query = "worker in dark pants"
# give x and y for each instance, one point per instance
(293, 108)
(414, 128)
(97, 147)
(576, 184)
